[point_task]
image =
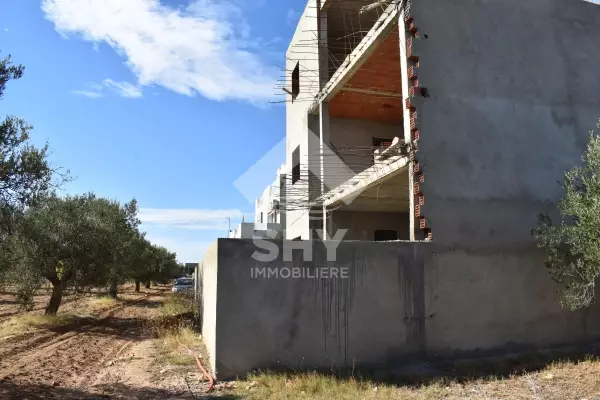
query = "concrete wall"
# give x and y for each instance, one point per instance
(361, 225)
(245, 230)
(513, 93)
(356, 132)
(207, 302)
(400, 300)
(512, 97)
(297, 118)
(478, 302)
(367, 319)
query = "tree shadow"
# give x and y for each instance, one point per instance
(141, 303)
(14, 391)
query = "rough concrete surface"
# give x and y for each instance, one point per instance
(368, 319)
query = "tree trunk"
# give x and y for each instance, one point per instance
(148, 285)
(113, 289)
(55, 299)
(137, 286)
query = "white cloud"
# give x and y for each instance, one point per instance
(90, 94)
(187, 250)
(123, 89)
(203, 48)
(6, 29)
(190, 219)
(188, 232)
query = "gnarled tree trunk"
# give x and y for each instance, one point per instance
(148, 285)
(137, 286)
(113, 288)
(55, 298)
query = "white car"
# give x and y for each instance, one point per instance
(183, 285)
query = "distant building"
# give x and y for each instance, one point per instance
(268, 219)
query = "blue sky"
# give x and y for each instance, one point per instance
(163, 101)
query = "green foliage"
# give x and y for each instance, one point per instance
(79, 242)
(573, 247)
(74, 242)
(25, 172)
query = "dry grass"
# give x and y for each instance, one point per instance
(178, 304)
(557, 381)
(101, 303)
(172, 332)
(27, 322)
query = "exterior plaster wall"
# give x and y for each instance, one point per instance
(297, 117)
(361, 225)
(513, 92)
(318, 323)
(401, 301)
(207, 300)
(349, 132)
(487, 302)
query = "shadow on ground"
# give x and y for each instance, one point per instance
(462, 370)
(11, 391)
(141, 303)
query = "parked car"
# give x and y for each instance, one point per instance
(183, 285)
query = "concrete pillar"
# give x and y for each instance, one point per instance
(283, 204)
(322, 46)
(324, 134)
(406, 116)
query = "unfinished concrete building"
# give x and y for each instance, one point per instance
(347, 139)
(429, 118)
(445, 122)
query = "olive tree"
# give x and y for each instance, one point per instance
(573, 245)
(25, 172)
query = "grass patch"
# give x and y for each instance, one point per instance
(180, 359)
(101, 302)
(173, 334)
(179, 304)
(318, 386)
(27, 322)
(172, 345)
(562, 379)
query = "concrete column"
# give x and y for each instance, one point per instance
(322, 46)
(324, 135)
(283, 204)
(406, 116)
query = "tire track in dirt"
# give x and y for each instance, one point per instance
(71, 358)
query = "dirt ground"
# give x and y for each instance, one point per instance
(108, 354)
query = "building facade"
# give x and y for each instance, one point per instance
(448, 123)
(431, 119)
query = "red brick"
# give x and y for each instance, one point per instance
(412, 73)
(417, 189)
